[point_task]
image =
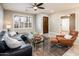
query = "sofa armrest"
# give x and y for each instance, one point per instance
(27, 51)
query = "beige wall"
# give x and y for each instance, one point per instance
(8, 19)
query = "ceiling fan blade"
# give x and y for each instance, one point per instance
(41, 7)
(39, 4)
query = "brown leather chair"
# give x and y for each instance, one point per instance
(67, 42)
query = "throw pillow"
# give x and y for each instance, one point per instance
(13, 33)
(11, 43)
(23, 37)
(67, 36)
(30, 36)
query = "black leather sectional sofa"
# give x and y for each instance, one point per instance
(27, 51)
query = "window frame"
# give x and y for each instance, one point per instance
(23, 26)
(67, 29)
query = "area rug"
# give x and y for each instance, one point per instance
(58, 50)
(52, 51)
(45, 49)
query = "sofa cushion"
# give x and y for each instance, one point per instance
(11, 43)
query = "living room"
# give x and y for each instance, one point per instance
(40, 24)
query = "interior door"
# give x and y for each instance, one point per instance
(45, 24)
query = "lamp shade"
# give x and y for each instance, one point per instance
(8, 26)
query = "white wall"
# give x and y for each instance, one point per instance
(1, 18)
(39, 22)
(55, 21)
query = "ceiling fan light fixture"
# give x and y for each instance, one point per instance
(35, 8)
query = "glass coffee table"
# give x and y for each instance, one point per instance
(40, 47)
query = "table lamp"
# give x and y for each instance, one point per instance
(8, 27)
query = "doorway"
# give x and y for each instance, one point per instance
(45, 24)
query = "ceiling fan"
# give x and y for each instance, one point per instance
(36, 6)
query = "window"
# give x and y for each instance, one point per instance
(65, 24)
(22, 21)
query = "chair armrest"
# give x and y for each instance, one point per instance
(66, 42)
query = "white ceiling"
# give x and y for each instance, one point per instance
(49, 7)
